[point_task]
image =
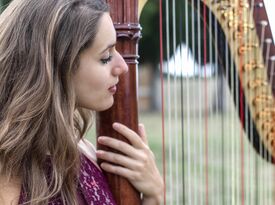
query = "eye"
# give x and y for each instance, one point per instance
(106, 60)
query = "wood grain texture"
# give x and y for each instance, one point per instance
(125, 17)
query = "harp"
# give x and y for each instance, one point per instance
(125, 17)
(221, 153)
(221, 49)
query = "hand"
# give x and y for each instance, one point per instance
(137, 163)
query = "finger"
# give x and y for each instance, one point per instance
(118, 159)
(142, 133)
(129, 134)
(121, 171)
(120, 146)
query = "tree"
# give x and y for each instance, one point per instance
(4, 3)
(177, 13)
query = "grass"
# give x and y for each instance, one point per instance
(230, 174)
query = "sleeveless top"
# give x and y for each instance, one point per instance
(92, 186)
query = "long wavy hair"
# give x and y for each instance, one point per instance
(40, 44)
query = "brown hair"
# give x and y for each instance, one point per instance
(40, 42)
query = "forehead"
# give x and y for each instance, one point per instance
(106, 34)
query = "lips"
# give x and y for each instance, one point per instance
(113, 89)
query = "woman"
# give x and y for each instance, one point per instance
(58, 63)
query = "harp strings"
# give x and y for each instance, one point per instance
(210, 159)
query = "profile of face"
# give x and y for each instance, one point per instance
(100, 66)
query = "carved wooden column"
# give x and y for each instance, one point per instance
(125, 17)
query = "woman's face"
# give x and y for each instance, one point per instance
(99, 69)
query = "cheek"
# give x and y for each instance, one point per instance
(90, 90)
(88, 85)
(96, 83)
(88, 79)
(93, 96)
(91, 87)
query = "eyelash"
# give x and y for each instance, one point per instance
(106, 60)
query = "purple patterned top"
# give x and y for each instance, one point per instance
(92, 187)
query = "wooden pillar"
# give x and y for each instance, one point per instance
(125, 17)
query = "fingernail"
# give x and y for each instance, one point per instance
(100, 139)
(99, 152)
(115, 125)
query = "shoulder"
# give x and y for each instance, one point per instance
(88, 150)
(9, 190)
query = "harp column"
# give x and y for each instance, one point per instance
(125, 17)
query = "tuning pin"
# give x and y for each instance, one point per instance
(268, 41)
(272, 58)
(263, 23)
(259, 5)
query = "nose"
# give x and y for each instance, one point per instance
(120, 66)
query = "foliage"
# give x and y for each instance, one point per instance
(4, 3)
(149, 43)
(179, 21)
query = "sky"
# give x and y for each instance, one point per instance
(270, 7)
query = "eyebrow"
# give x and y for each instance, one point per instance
(108, 47)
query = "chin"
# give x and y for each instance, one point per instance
(98, 105)
(103, 107)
